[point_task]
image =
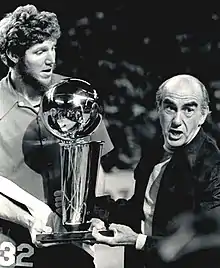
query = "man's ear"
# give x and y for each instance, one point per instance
(205, 113)
(12, 57)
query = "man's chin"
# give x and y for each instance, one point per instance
(176, 143)
(45, 82)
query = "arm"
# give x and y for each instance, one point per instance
(37, 208)
(11, 212)
(120, 210)
(197, 232)
(207, 202)
(128, 214)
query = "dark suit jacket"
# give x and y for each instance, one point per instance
(190, 183)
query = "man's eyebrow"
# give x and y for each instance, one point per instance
(191, 103)
(40, 47)
(168, 101)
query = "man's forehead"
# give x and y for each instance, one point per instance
(183, 88)
(47, 42)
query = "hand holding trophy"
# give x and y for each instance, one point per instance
(70, 111)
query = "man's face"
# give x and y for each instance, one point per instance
(39, 62)
(180, 113)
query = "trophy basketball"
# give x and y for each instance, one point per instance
(70, 111)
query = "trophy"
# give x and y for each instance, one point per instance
(70, 111)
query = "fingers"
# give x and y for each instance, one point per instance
(118, 227)
(98, 224)
(58, 201)
(59, 211)
(101, 238)
(57, 193)
(89, 242)
(39, 228)
(38, 244)
(113, 226)
(47, 229)
(58, 198)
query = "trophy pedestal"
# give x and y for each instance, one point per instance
(68, 237)
(76, 232)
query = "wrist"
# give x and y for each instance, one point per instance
(28, 221)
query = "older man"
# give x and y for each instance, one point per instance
(179, 174)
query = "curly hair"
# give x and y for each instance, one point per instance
(24, 27)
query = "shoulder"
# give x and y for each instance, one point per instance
(209, 153)
(4, 84)
(210, 147)
(7, 97)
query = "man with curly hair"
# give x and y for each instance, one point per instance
(29, 167)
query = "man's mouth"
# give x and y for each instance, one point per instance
(175, 134)
(47, 72)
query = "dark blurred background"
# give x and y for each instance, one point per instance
(126, 50)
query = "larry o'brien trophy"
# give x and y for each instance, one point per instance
(70, 111)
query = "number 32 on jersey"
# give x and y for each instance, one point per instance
(12, 256)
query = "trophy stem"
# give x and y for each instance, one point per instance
(79, 168)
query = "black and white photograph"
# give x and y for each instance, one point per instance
(109, 134)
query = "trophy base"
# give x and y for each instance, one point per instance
(68, 237)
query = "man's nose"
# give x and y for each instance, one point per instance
(177, 119)
(50, 59)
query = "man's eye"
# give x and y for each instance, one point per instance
(169, 108)
(189, 111)
(39, 52)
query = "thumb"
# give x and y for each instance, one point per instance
(34, 233)
(47, 229)
(97, 223)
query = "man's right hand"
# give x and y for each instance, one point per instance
(38, 227)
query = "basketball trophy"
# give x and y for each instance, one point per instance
(70, 111)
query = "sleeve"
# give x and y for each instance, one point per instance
(140, 242)
(101, 134)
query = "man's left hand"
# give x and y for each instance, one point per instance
(123, 235)
(58, 201)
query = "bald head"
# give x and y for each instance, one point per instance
(182, 85)
(182, 103)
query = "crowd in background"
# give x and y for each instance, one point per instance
(126, 51)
